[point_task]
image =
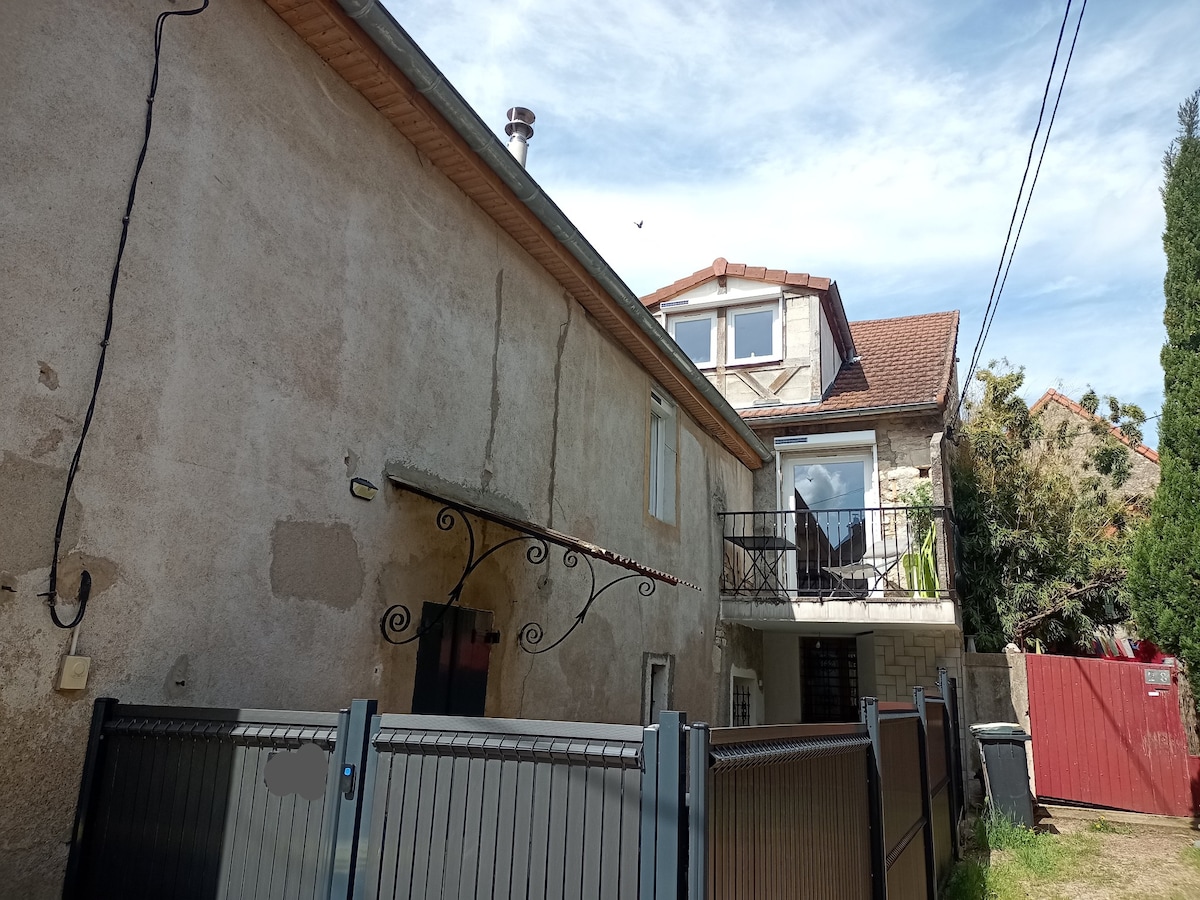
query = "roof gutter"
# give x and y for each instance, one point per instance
(397, 46)
(902, 409)
(842, 334)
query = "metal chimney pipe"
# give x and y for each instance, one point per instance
(519, 130)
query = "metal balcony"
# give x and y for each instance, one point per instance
(891, 554)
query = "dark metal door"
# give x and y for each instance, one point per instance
(830, 679)
(452, 661)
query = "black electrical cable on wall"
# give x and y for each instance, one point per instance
(51, 594)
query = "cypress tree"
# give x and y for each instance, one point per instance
(1164, 578)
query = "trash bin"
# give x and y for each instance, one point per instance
(1006, 770)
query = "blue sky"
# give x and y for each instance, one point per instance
(876, 143)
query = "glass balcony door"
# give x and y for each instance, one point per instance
(831, 528)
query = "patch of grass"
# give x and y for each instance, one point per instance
(1041, 855)
(968, 881)
(1005, 858)
(1191, 856)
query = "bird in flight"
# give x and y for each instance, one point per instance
(639, 224)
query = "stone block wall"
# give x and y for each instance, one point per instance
(905, 659)
(1144, 472)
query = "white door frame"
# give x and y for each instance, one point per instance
(816, 449)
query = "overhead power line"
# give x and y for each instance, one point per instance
(1010, 239)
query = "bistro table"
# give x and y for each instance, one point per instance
(764, 553)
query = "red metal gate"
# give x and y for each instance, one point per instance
(1108, 733)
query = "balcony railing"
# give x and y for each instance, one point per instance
(885, 553)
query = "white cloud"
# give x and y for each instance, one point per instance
(880, 144)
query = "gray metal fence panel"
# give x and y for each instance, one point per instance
(942, 842)
(648, 812)
(174, 802)
(493, 808)
(175, 805)
(939, 763)
(941, 787)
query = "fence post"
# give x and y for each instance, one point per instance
(670, 860)
(362, 856)
(351, 773)
(698, 812)
(869, 708)
(953, 762)
(89, 786)
(959, 768)
(647, 852)
(926, 799)
(663, 868)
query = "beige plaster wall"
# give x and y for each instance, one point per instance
(742, 649)
(783, 679)
(303, 299)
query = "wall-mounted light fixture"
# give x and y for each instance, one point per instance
(363, 489)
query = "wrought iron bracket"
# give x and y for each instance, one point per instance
(531, 633)
(397, 619)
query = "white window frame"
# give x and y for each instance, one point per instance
(867, 455)
(666, 662)
(663, 441)
(709, 315)
(736, 674)
(821, 448)
(731, 334)
(833, 447)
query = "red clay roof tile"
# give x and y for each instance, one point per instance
(721, 266)
(902, 361)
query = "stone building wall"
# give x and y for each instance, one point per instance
(1143, 479)
(905, 659)
(904, 446)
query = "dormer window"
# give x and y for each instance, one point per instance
(754, 334)
(696, 335)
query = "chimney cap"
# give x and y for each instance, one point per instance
(520, 123)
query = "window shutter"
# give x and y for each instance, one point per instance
(655, 462)
(667, 478)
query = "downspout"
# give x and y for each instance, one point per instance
(397, 46)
